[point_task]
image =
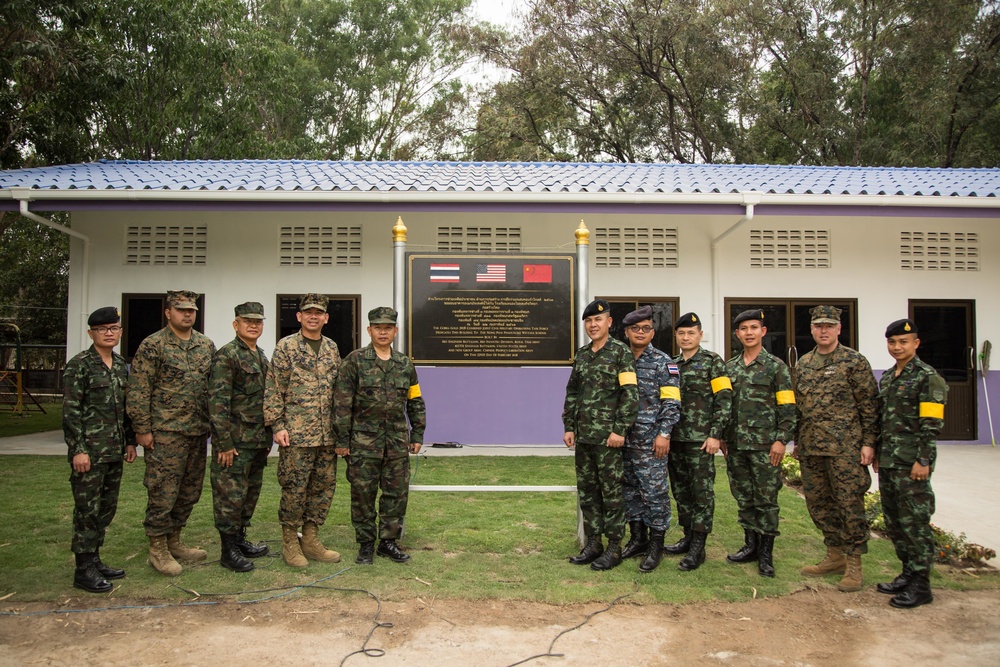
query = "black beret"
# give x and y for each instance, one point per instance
(596, 307)
(900, 327)
(638, 315)
(688, 320)
(755, 314)
(107, 315)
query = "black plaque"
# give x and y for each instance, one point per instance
(490, 310)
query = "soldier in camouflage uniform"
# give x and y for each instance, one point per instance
(912, 397)
(240, 440)
(706, 401)
(646, 482)
(763, 421)
(298, 406)
(602, 403)
(835, 436)
(98, 435)
(167, 399)
(376, 394)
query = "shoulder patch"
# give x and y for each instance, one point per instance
(672, 368)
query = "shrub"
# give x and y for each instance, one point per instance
(790, 470)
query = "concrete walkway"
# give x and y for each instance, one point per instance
(966, 478)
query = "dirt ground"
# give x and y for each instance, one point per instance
(811, 627)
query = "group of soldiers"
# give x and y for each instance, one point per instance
(180, 390)
(641, 424)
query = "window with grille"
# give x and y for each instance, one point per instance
(320, 246)
(479, 239)
(636, 247)
(165, 244)
(789, 248)
(939, 251)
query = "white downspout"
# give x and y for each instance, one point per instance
(719, 321)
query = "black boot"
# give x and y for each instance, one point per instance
(366, 551)
(897, 585)
(681, 546)
(107, 571)
(655, 552)
(749, 550)
(232, 558)
(87, 577)
(389, 549)
(247, 548)
(639, 541)
(917, 592)
(765, 555)
(591, 551)
(696, 553)
(611, 558)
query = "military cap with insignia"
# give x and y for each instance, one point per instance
(251, 310)
(182, 300)
(596, 307)
(638, 315)
(901, 327)
(106, 315)
(755, 314)
(311, 300)
(824, 315)
(382, 315)
(687, 320)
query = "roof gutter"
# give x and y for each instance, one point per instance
(750, 199)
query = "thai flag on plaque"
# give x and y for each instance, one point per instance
(537, 273)
(491, 273)
(444, 273)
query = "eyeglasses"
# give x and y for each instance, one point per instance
(104, 330)
(635, 328)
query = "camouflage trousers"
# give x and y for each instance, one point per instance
(308, 478)
(755, 483)
(95, 501)
(908, 505)
(834, 487)
(175, 475)
(646, 488)
(367, 475)
(236, 489)
(599, 476)
(692, 477)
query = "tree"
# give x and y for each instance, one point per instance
(34, 280)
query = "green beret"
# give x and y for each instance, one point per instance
(382, 315)
(106, 315)
(687, 320)
(182, 299)
(596, 307)
(755, 314)
(901, 327)
(311, 300)
(251, 310)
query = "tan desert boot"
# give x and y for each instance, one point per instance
(160, 558)
(183, 552)
(834, 563)
(291, 550)
(313, 549)
(853, 578)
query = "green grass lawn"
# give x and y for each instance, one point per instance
(507, 546)
(31, 422)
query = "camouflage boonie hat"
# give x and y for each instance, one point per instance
(311, 300)
(687, 320)
(596, 307)
(901, 327)
(107, 315)
(824, 315)
(382, 315)
(251, 310)
(755, 314)
(182, 299)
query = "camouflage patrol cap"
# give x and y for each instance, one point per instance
(251, 310)
(312, 300)
(687, 320)
(755, 314)
(638, 315)
(596, 307)
(901, 327)
(106, 315)
(824, 315)
(182, 299)
(382, 315)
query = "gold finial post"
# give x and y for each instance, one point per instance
(582, 234)
(399, 231)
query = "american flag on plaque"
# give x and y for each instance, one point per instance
(491, 273)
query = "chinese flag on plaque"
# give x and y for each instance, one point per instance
(537, 273)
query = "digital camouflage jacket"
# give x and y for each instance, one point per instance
(659, 398)
(298, 396)
(236, 397)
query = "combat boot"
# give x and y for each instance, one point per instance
(232, 558)
(87, 577)
(313, 549)
(291, 550)
(389, 549)
(591, 551)
(749, 550)
(611, 558)
(183, 552)
(696, 552)
(765, 555)
(366, 551)
(107, 571)
(248, 549)
(655, 552)
(917, 592)
(638, 542)
(853, 577)
(681, 546)
(834, 563)
(160, 557)
(897, 585)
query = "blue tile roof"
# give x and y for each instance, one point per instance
(514, 177)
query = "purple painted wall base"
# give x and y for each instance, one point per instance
(494, 406)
